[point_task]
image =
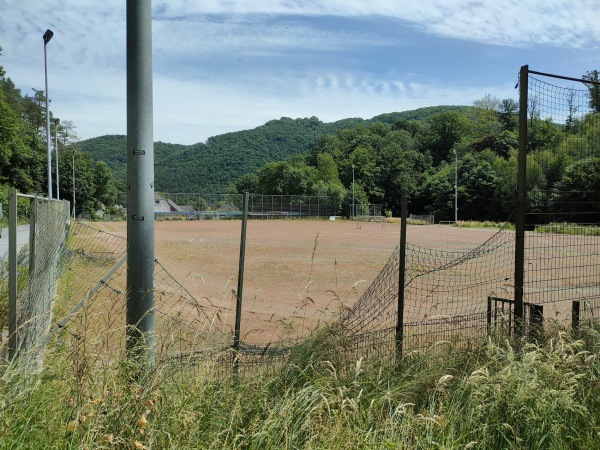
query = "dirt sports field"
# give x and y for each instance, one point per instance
(299, 273)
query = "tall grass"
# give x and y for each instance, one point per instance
(544, 396)
(484, 224)
(569, 228)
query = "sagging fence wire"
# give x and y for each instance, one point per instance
(446, 293)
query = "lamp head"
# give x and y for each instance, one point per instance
(47, 36)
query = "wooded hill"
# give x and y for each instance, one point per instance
(415, 154)
(215, 165)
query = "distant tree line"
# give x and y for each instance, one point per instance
(378, 161)
(384, 161)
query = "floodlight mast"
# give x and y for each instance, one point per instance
(455, 187)
(47, 36)
(140, 186)
(73, 161)
(56, 122)
(353, 209)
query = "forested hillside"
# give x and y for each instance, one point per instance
(415, 154)
(391, 156)
(215, 165)
(377, 161)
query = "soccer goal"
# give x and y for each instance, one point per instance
(421, 219)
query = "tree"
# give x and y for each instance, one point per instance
(284, 178)
(106, 191)
(201, 204)
(67, 133)
(594, 89)
(476, 188)
(334, 192)
(247, 183)
(486, 115)
(21, 160)
(327, 168)
(508, 111)
(401, 169)
(571, 121)
(542, 133)
(446, 129)
(367, 171)
(579, 185)
(437, 192)
(34, 111)
(84, 181)
(477, 184)
(506, 186)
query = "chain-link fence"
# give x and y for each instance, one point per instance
(548, 266)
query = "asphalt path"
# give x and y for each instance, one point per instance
(22, 238)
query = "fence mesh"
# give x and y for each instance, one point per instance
(199, 206)
(562, 246)
(446, 293)
(35, 310)
(94, 298)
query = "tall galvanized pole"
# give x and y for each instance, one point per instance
(56, 122)
(455, 187)
(521, 197)
(401, 280)
(140, 185)
(73, 160)
(47, 36)
(240, 287)
(353, 209)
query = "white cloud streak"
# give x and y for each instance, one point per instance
(288, 64)
(508, 22)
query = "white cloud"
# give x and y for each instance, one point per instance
(289, 65)
(570, 23)
(188, 112)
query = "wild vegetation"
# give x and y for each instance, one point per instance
(542, 395)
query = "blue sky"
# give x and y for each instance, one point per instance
(228, 65)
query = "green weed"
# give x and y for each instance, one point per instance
(542, 396)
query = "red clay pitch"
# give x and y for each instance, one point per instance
(298, 273)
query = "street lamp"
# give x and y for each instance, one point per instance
(353, 210)
(455, 187)
(56, 122)
(73, 156)
(47, 36)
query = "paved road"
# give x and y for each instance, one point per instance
(22, 238)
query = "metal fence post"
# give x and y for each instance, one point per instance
(575, 316)
(521, 197)
(12, 273)
(240, 289)
(401, 279)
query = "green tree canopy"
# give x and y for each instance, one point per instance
(580, 184)
(594, 89)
